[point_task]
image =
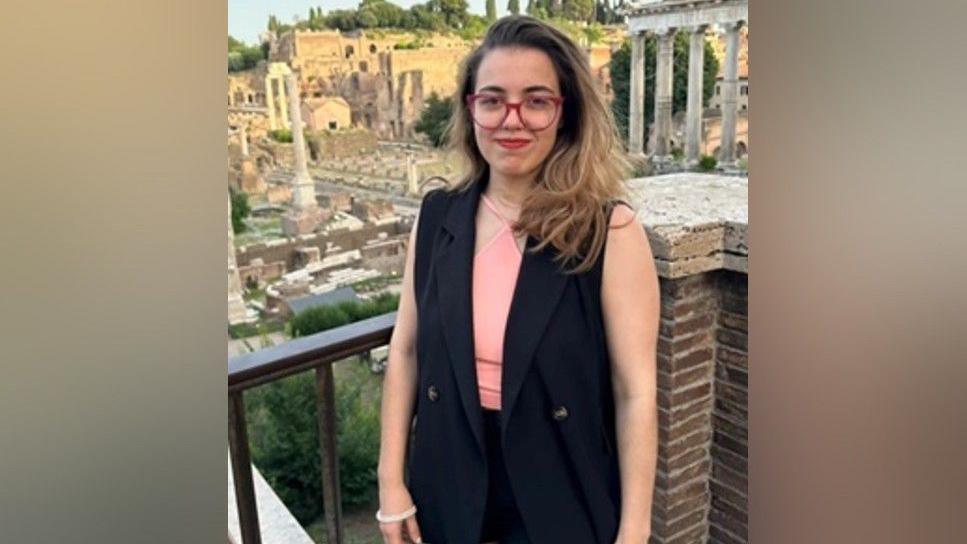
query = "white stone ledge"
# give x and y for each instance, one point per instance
(695, 222)
(276, 523)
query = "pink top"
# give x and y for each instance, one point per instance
(495, 269)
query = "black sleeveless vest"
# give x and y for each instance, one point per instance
(557, 413)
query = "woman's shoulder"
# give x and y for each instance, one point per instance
(621, 213)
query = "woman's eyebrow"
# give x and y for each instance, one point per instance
(530, 89)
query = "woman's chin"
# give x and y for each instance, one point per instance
(512, 168)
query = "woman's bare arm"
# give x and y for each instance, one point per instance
(630, 304)
(399, 383)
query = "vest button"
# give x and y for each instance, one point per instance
(560, 413)
(432, 393)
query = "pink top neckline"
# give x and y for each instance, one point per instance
(505, 227)
(495, 270)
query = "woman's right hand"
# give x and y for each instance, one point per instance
(393, 500)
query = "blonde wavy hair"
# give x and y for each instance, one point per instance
(584, 171)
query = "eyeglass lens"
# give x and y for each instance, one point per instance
(536, 112)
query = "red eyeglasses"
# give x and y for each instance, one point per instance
(535, 112)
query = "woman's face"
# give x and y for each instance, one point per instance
(518, 75)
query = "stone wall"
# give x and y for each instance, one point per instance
(696, 226)
(385, 87)
(286, 250)
(255, 120)
(343, 143)
(438, 65)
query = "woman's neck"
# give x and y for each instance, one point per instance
(510, 192)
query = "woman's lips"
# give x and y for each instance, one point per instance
(512, 143)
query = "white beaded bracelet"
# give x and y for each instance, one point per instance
(382, 518)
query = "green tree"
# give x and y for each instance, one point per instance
(491, 10)
(593, 33)
(513, 7)
(284, 435)
(276, 26)
(621, 72)
(240, 210)
(342, 19)
(387, 15)
(426, 18)
(604, 13)
(367, 19)
(242, 56)
(474, 28)
(434, 118)
(577, 10)
(454, 11)
(537, 8)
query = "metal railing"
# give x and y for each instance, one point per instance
(316, 352)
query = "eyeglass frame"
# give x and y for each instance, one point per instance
(470, 98)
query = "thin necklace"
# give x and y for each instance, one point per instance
(495, 198)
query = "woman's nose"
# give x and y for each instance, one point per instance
(514, 117)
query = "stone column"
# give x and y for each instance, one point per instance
(411, 174)
(664, 72)
(636, 111)
(303, 191)
(237, 313)
(282, 102)
(696, 65)
(305, 214)
(243, 139)
(730, 89)
(270, 102)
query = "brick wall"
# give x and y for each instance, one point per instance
(728, 517)
(700, 484)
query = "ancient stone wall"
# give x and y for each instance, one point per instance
(286, 250)
(438, 65)
(344, 143)
(256, 122)
(247, 88)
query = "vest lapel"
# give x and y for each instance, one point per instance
(538, 289)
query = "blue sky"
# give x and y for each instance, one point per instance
(247, 18)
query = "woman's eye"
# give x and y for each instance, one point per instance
(539, 102)
(488, 101)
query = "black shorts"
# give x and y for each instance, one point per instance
(502, 521)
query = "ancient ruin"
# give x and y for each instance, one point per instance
(665, 19)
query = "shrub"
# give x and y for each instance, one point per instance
(283, 135)
(322, 318)
(283, 426)
(707, 163)
(240, 210)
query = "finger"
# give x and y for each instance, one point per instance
(413, 528)
(391, 533)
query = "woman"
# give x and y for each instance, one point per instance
(524, 349)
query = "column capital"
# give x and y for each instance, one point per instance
(734, 26)
(666, 32)
(698, 29)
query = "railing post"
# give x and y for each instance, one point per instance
(248, 516)
(325, 399)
